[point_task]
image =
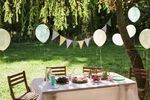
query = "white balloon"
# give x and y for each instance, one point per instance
(134, 14)
(117, 39)
(131, 30)
(42, 33)
(99, 37)
(4, 39)
(144, 38)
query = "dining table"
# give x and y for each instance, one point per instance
(116, 88)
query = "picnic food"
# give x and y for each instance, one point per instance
(96, 78)
(79, 80)
(62, 80)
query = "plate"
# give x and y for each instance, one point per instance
(118, 78)
(79, 82)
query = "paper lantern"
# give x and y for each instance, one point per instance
(42, 33)
(131, 30)
(134, 14)
(4, 39)
(144, 38)
(117, 39)
(99, 37)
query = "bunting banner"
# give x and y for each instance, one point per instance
(62, 40)
(105, 28)
(68, 42)
(87, 41)
(54, 35)
(109, 22)
(81, 43)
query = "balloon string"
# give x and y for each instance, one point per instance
(100, 57)
(146, 58)
(3, 54)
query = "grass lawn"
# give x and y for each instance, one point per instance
(34, 57)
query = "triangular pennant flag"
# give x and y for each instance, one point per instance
(105, 28)
(54, 35)
(68, 41)
(62, 40)
(109, 22)
(81, 43)
(87, 41)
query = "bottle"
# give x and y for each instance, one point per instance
(51, 78)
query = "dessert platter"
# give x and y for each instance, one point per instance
(79, 80)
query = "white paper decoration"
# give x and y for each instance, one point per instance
(144, 38)
(99, 37)
(117, 39)
(4, 39)
(134, 14)
(42, 33)
(131, 30)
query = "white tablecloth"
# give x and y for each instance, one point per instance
(104, 90)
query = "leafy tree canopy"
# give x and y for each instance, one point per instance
(69, 16)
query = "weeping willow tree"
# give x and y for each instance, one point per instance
(75, 15)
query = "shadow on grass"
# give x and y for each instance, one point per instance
(110, 55)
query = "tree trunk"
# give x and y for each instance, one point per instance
(131, 50)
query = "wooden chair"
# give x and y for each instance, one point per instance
(17, 79)
(92, 70)
(58, 71)
(142, 74)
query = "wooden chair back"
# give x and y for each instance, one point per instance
(92, 70)
(142, 74)
(139, 73)
(58, 71)
(15, 80)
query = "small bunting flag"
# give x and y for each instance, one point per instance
(109, 22)
(81, 43)
(54, 35)
(87, 41)
(68, 41)
(105, 28)
(62, 40)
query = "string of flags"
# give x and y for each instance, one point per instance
(42, 33)
(85, 41)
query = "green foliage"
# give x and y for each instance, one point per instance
(23, 16)
(33, 15)
(78, 17)
(60, 15)
(144, 6)
(17, 6)
(1, 13)
(45, 10)
(65, 13)
(8, 13)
